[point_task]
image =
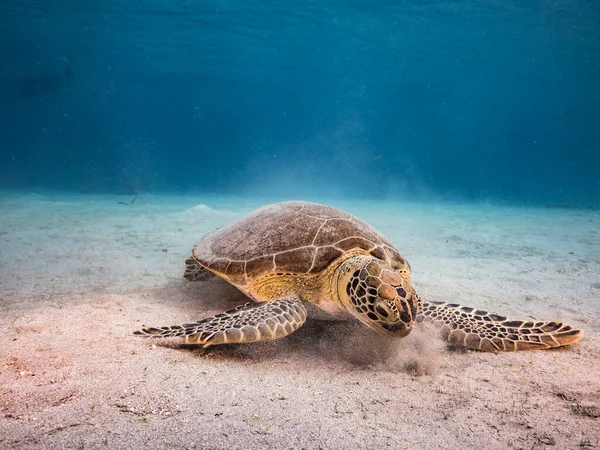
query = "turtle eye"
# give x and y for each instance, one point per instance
(383, 310)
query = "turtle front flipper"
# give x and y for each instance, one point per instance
(252, 322)
(195, 272)
(480, 330)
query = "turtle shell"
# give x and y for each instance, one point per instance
(290, 237)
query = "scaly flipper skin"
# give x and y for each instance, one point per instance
(252, 322)
(195, 272)
(481, 330)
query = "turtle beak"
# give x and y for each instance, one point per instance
(407, 313)
(398, 329)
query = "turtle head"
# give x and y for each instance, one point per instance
(377, 295)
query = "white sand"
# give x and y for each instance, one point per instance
(79, 273)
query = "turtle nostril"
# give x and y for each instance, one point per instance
(398, 329)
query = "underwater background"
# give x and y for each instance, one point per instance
(445, 100)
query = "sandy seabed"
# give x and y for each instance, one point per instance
(79, 273)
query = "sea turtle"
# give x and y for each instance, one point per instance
(285, 254)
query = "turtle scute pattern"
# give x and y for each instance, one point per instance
(302, 238)
(480, 330)
(252, 322)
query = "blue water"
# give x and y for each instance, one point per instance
(471, 100)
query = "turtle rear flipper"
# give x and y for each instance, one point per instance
(480, 330)
(195, 272)
(252, 322)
